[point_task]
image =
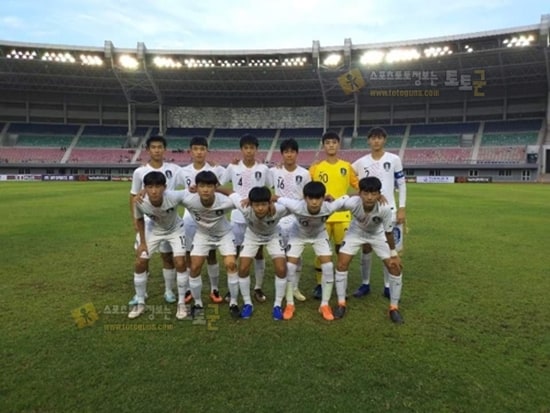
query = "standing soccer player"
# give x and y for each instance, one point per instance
(164, 226)
(244, 176)
(198, 147)
(156, 148)
(388, 168)
(289, 180)
(311, 213)
(338, 177)
(372, 225)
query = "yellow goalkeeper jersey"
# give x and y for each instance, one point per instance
(338, 178)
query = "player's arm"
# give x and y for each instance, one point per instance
(142, 247)
(402, 186)
(395, 260)
(132, 202)
(353, 178)
(224, 191)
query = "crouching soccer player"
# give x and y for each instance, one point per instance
(372, 224)
(165, 225)
(209, 210)
(262, 218)
(309, 228)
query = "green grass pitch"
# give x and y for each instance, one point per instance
(476, 336)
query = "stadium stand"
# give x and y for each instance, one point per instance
(31, 155)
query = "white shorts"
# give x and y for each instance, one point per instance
(175, 240)
(164, 247)
(321, 245)
(203, 243)
(238, 229)
(253, 242)
(353, 242)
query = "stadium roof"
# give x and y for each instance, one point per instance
(495, 64)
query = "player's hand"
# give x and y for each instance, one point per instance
(192, 189)
(395, 264)
(235, 161)
(142, 251)
(401, 216)
(329, 198)
(140, 196)
(383, 200)
(245, 202)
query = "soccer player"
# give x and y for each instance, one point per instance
(338, 177)
(156, 148)
(289, 180)
(388, 168)
(209, 210)
(372, 225)
(311, 213)
(244, 176)
(262, 219)
(164, 226)
(198, 147)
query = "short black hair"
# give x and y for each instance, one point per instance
(249, 139)
(314, 189)
(198, 141)
(206, 177)
(156, 138)
(330, 135)
(154, 178)
(289, 144)
(370, 184)
(377, 131)
(259, 194)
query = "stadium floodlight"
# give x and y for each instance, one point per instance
(61, 57)
(91, 60)
(293, 61)
(468, 48)
(19, 54)
(519, 41)
(436, 51)
(372, 57)
(332, 60)
(402, 55)
(191, 62)
(166, 63)
(128, 62)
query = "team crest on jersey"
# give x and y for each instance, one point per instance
(168, 174)
(258, 175)
(219, 212)
(377, 220)
(299, 179)
(387, 166)
(343, 171)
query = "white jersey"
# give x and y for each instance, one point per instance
(264, 227)
(186, 178)
(186, 175)
(212, 219)
(374, 222)
(169, 169)
(164, 218)
(244, 179)
(307, 225)
(389, 170)
(290, 184)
